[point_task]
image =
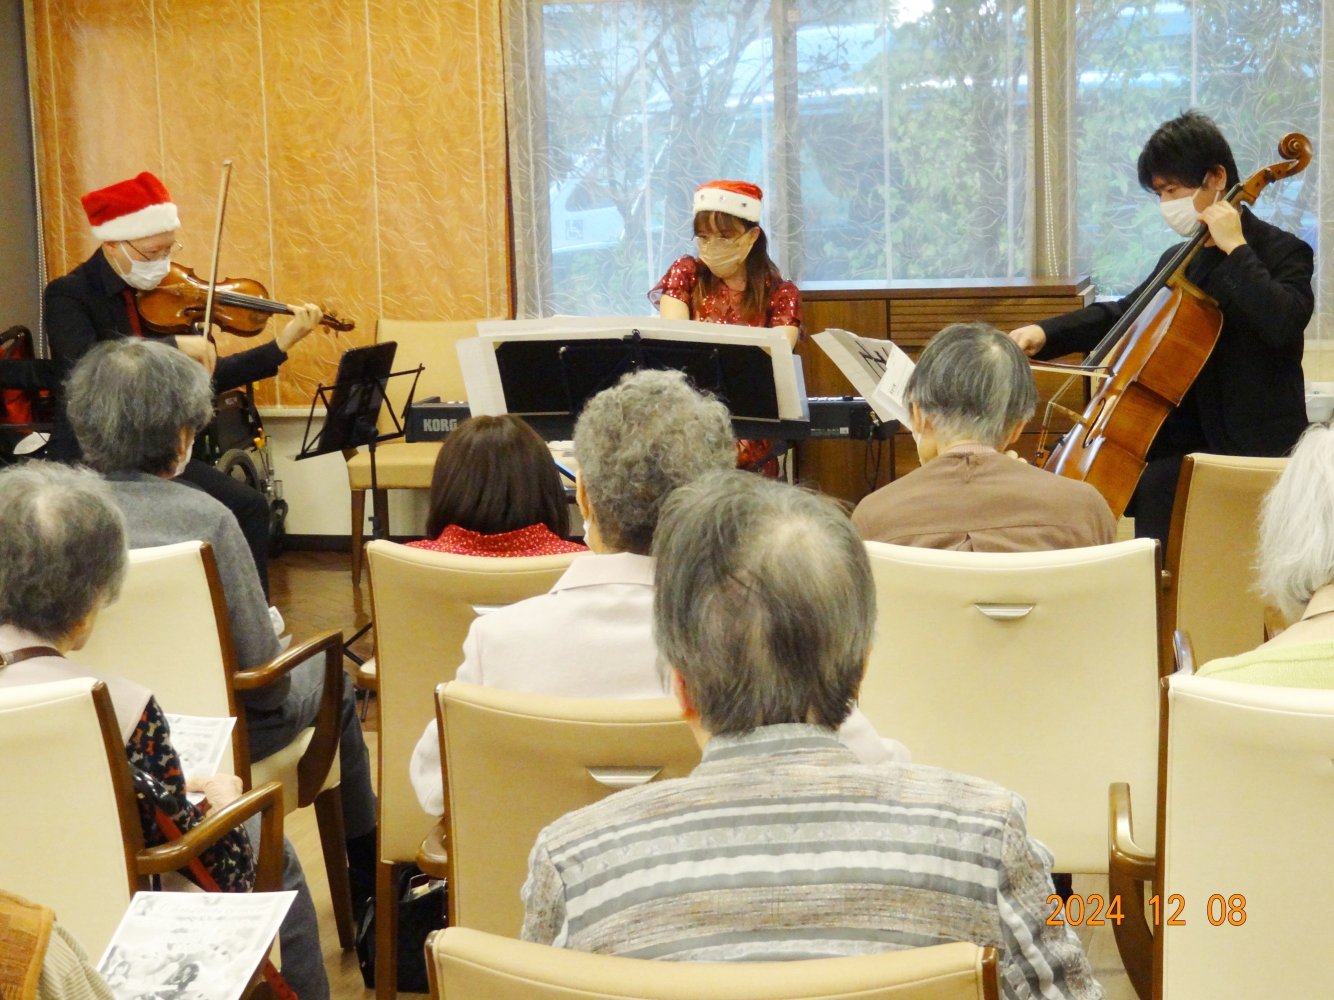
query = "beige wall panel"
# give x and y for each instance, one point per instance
(96, 60)
(321, 180)
(367, 140)
(212, 104)
(439, 132)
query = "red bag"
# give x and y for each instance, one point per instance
(22, 406)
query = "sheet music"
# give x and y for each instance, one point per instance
(191, 945)
(878, 369)
(201, 742)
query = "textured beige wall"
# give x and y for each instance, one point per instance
(367, 140)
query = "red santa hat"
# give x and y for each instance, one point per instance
(737, 198)
(131, 210)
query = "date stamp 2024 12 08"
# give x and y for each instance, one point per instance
(1094, 910)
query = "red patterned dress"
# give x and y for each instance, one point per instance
(534, 540)
(724, 306)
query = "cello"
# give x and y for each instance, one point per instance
(1149, 359)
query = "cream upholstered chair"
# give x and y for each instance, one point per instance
(1211, 552)
(1246, 803)
(400, 465)
(516, 761)
(169, 631)
(1036, 670)
(70, 825)
(465, 964)
(423, 603)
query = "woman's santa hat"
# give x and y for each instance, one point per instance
(131, 210)
(737, 198)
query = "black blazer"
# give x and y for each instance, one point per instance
(87, 306)
(1249, 398)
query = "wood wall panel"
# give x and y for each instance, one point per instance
(910, 313)
(367, 140)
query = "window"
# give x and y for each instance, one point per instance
(893, 138)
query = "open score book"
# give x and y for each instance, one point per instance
(878, 369)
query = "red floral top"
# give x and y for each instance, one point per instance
(724, 304)
(534, 540)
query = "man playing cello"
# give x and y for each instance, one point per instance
(1249, 398)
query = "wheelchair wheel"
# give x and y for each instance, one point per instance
(241, 467)
(277, 527)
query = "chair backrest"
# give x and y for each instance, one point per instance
(1249, 804)
(423, 604)
(1211, 551)
(426, 342)
(1036, 670)
(467, 964)
(170, 632)
(516, 761)
(69, 825)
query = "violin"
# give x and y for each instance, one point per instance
(1150, 358)
(240, 305)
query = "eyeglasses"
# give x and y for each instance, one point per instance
(718, 242)
(157, 255)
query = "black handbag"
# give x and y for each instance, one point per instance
(421, 910)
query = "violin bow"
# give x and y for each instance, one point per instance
(217, 248)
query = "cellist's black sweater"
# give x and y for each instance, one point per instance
(1249, 398)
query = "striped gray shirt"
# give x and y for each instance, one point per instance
(782, 845)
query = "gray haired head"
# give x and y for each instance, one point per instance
(638, 441)
(973, 383)
(62, 547)
(1296, 548)
(763, 602)
(128, 400)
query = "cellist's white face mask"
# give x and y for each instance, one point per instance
(1181, 214)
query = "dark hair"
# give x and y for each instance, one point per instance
(1183, 150)
(495, 474)
(761, 273)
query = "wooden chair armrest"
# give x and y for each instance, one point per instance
(1129, 870)
(267, 801)
(313, 768)
(432, 857)
(285, 662)
(1183, 652)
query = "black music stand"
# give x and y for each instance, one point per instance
(351, 419)
(547, 380)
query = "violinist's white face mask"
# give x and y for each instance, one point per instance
(146, 274)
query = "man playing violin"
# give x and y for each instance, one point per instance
(137, 223)
(1249, 398)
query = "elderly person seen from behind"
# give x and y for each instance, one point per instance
(591, 636)
(136, 407)
(969, 397)
(1296, 573)
(62, 560)
(782, 845)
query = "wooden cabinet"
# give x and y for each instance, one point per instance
(909, 313)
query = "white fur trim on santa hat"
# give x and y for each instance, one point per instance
(148, 221)
(714, 199)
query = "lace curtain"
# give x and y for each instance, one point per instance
(893, 138)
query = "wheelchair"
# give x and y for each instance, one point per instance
(234, 442)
